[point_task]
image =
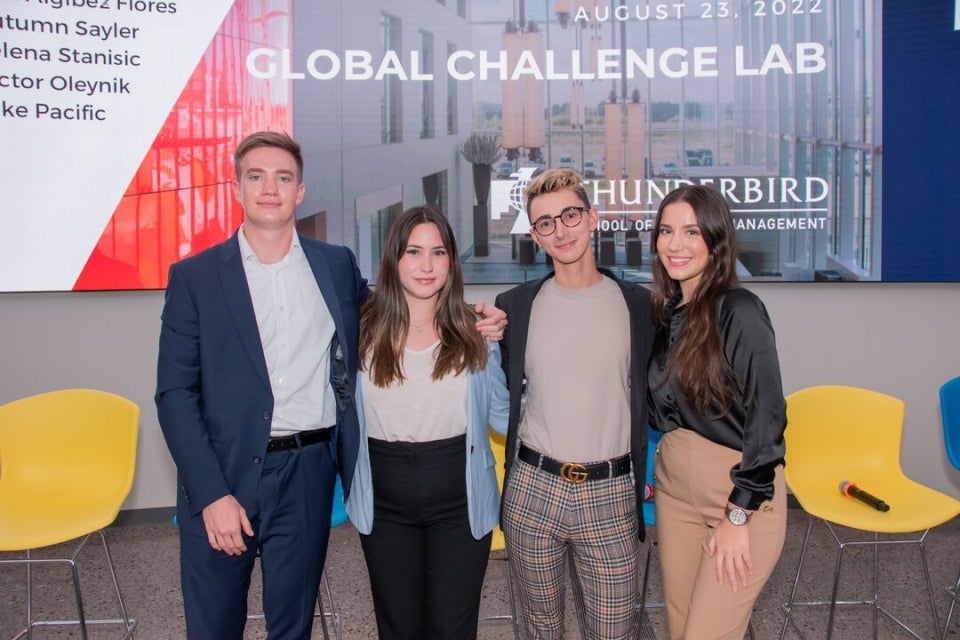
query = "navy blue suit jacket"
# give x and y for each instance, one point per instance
(213, 395)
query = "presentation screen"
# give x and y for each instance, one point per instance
(830, 126)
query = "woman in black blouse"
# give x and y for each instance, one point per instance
(715, 393)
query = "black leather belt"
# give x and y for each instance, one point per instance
(297, 440)
(574, 471)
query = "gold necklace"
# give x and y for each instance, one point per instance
(419, 327)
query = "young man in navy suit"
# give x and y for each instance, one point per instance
(256, 365)
(255, 377)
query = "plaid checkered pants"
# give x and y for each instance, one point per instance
(545, 518)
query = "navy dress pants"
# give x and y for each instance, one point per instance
(291, 524)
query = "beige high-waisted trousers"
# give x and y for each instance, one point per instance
(693, 485)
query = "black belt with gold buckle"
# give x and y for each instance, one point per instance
(576, 472)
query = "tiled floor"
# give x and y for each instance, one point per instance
(146, 558)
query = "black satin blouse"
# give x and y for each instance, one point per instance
(758, 417)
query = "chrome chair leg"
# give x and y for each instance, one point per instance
(788, 607)
(81, 621)
(646, 577)
(124, 619)
(875, 602)
(926, 573)
(954, 593)
(836, 590)
(29, 629)
(319, 612)
(333, 614)
(511, 617)
(515, 620)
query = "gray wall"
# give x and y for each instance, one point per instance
(900, 339)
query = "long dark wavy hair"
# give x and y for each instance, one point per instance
(703, 373)
(385, 319)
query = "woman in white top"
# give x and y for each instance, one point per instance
(425, 495)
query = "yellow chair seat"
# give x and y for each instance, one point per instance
(40, 516)
(913, 506)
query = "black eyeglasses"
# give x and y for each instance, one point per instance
(570, 217)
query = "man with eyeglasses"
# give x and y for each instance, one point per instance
(575, 354)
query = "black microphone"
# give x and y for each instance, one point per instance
(851, 490)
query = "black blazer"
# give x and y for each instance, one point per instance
(517, 303)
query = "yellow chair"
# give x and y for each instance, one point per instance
(836, 434)
(498, 443)
(67, 460)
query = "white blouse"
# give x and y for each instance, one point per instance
(420, 409)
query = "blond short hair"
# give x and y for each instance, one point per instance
(553, 180)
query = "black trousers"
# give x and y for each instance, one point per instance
(426, 569)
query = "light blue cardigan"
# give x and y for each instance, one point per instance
(488, 403)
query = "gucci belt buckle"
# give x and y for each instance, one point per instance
(573, 472)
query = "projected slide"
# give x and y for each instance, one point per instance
(829, 126)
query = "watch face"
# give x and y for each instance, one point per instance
(737, 516)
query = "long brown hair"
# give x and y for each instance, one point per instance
(385, 319)
(704, 375)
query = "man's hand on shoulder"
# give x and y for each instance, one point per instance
(226, 522)
(493, 321)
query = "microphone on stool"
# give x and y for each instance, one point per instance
(851, 490)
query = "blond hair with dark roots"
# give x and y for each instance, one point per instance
(553, 180)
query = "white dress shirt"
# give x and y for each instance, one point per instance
(295, 328)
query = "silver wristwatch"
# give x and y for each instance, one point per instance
(736, 516)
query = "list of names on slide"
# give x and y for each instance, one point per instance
(61, 59)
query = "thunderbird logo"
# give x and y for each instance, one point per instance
(506, 196)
